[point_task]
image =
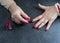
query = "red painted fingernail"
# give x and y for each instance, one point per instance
(46, 29)
(30, 21)
(59, 9)
(35, 27)
(8, 25)
(27, 19)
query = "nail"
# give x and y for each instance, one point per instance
(35, 27)
(39, 26)
(30, 21)
(46, 29)
(27, 19)
(59, 8)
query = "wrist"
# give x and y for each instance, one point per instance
(12, 7)
(6, 3)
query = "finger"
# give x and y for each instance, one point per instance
(49, 24)
(18, 16)
(43, 24)
(25, 15)
(43, 7)
(37, 18)
(23, 20)
(39, 22)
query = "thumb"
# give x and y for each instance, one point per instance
(42, 6)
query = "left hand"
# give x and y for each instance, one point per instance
(49, 16)
(18, 15)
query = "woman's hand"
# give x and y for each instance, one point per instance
(48, 16)
(17, 14)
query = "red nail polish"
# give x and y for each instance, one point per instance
(30, 21)
(8, 25)
(35, 27)
(46, 29)
(59, 9)
(27, 19)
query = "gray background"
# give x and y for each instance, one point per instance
(25, 33)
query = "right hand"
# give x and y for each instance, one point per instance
(48, 16)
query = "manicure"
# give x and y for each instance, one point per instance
(46, 29)
(35, 27)
(27, 19)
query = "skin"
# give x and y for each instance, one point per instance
(48, 16)
(17, 14)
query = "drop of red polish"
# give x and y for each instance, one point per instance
(8, 25)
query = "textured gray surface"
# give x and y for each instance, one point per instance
(27, 34)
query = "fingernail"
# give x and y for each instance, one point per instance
(46, 29)
(28, 19)
(35, 27)
(31, 21)
(39, 26)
